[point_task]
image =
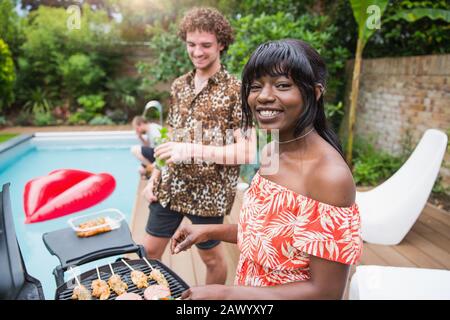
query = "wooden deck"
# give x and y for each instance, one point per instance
(427, 245)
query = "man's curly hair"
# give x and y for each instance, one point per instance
(209, 20)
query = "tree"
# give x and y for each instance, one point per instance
(367, 24)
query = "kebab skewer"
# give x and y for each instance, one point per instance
(156, 275)
(100, 288)
(138, 277)
(80, 292)
(116, 284)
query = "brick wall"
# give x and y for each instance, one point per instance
(400, 98)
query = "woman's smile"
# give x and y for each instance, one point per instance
(266, 115)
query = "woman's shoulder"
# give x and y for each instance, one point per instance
(330, 181)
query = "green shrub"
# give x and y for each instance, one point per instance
(38, 101)
(7, 76)
(101, 121)
(92, 103)
(2, 121)
(125, 93)
(117, 116)
(23, 118)
(371, 167)
(44, 119)
(79, 117)
(334, 113)
(11, 27)
(80, 74)
(91, 106)
(63, 61)
(439, 187)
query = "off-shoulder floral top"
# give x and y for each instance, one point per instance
(279, 229)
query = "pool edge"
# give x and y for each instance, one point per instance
(11, 143)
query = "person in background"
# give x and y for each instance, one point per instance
(147, 132)
(200, 178)
(299, 229)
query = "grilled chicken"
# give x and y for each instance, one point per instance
(159, 278)
(100, 223)
(81, 293)
(139, 279)
(100, 289)
(117, 285)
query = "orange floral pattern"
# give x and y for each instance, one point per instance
(279, 229)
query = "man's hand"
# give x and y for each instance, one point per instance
(148, 191)
(188, 235)
(175, 152)
(209, 292)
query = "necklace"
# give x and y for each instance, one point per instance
(302, 136)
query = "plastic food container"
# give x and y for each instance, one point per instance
(113, 219)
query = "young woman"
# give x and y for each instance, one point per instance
(299, 229)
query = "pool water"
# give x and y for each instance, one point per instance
(40, 159)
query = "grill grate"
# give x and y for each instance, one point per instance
(176, 284)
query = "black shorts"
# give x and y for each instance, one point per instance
(163, 222)
(148, 153)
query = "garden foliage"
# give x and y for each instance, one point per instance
(7, 76)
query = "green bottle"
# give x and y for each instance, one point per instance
(163, 138)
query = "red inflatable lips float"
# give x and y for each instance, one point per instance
(63, 192)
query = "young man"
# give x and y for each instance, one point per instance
(147, 133)
(202, 170)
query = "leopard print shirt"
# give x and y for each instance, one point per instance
(210, 117)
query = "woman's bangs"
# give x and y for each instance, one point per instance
(269, 60)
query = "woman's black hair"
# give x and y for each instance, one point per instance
(303, 64)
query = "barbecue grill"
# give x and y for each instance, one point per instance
(73, 251)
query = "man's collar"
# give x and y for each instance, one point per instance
(215, 78)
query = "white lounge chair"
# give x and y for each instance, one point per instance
(390, 210)
(394, 283)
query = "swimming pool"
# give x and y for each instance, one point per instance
(37, 156)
